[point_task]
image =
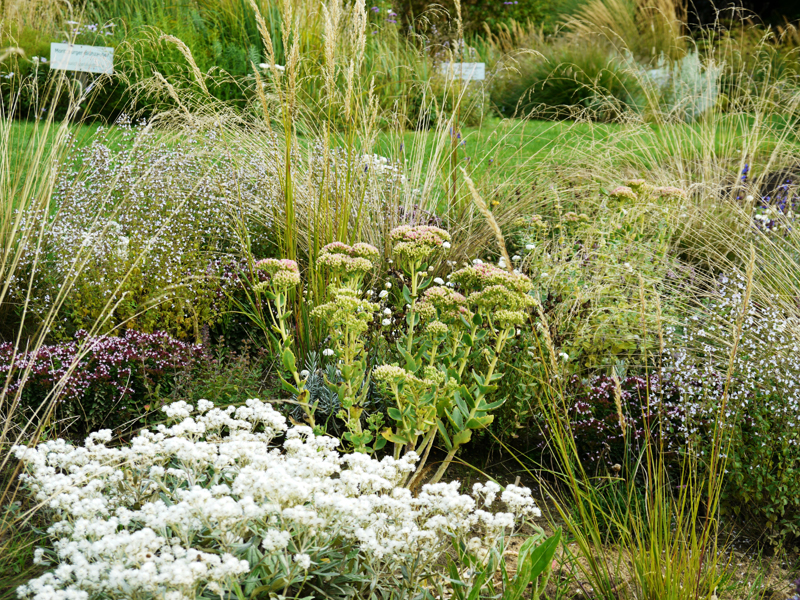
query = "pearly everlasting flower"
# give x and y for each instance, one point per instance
(275, 540)
(438, 281)
(327, 352)
(529, 246)
(383, 294)
(386, 322)
(303, 561)
(187, 507)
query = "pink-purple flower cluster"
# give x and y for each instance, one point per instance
(103, 373)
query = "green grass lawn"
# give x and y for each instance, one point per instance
(498, 145)
(512, 144)
(29, 139)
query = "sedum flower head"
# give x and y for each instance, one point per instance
(415, 244)
(483, 275)
(623, 192)
(436, 328)
(367, 251)
(283, 273)
(434, 376)
(273, 265)
(509, 318)
(346, 260)
(444, 301)
(495, 297)
(346, 311)
(501, 295)
(389, 374)
(670, 192)
(636, 184)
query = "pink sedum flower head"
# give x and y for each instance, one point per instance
(670, 192)
(636, 184)
(623, 192)
(415, 244)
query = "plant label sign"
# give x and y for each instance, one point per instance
(464, 71)
(87, 59)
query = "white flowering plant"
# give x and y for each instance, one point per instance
(208, 506)
(754, 397)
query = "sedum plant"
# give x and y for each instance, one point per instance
(270, 309)
(450, 348)
(206, 506)
(447, 351)
(347, 316)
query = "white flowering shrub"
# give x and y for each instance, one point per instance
(208, 506)
(146, 228)
(761, 409)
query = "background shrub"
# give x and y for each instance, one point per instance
(154, 228)
(568, 79)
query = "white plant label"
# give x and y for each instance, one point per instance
(88, 59)
(464, 71)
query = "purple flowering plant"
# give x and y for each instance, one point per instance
(96, 382)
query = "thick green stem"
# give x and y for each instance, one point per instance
(446, 463)
(498, 348)
(427, 444)
(412, 309)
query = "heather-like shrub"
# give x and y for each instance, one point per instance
(153, 227)
(762, 406)
(209, 507)
(610, 419)
(112, 384)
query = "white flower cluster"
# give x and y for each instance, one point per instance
(767, 363)
(188, 507)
